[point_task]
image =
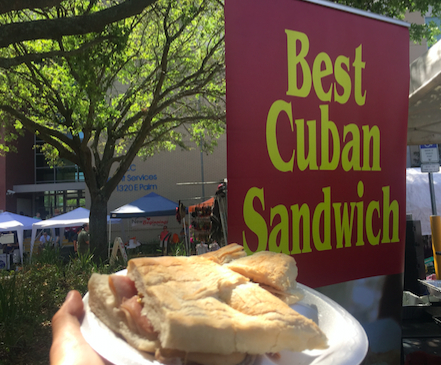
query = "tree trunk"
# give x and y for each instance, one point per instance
(98, 227)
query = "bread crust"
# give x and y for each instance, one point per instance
(226, 254)
(276, 270)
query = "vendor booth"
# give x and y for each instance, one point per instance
(74, 218)
(16, 223)
(148, 212)
(200, 220)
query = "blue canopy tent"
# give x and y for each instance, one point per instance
(150, 205)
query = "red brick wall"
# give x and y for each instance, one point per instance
(18, 169)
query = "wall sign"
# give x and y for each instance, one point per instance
(149, 222)
(133, 181)
(317, 103)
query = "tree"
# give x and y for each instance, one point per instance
(90, 18)
(64, 82)
(148, 81)
(20, 22)
(398, 8)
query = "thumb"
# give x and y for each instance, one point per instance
(66, 333)
(69, 316)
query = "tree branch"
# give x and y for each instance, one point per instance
(46, 134)
(7, 5)
(56, 28)
(7, 63)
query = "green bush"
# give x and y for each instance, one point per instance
(178, 249)
(49, 255)
(28, 300)
(30, 297)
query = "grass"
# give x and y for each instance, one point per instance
(178, 249)
(31, 296)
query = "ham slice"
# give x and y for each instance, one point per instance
(135, 320)
(127, 299)
(122, 287)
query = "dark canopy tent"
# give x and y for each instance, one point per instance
(150, 205)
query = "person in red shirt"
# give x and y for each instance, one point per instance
(163, 240)
(163, 233)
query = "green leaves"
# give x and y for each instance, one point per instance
(398, 8)
(144, 84)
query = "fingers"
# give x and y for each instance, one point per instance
(71, 311)
(69, 345)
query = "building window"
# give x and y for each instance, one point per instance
(64, 200)
(44, 174)
(428, 20)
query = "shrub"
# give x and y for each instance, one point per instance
(29, 298)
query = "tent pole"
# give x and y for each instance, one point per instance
(223, 219)
(187, 248)
(110, 232)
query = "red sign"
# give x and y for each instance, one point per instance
(317, 102)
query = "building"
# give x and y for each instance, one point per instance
(187, 176)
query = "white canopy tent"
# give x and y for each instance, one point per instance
(74, 218)
(18, 223)
(418, 202)
(424, 120)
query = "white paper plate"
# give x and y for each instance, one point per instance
(348, 343)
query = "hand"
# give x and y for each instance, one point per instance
(68, 344)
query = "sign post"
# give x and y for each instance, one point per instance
(429, 157)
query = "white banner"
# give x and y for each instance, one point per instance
(149, 222)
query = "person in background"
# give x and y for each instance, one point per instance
(214, 246)
(83, 240)
(71, 233)
(10, 247)
(75, 241)
(45, 239)
(57, 230)
(164, 237)
(201, 248)
(37, 216)
(164, 233)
